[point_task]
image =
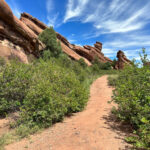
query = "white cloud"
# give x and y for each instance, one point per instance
(52, 16)
(15, 8)
(118, 16)
(49, 5)
(75, 10)
(115, 16)
(129, 41)
(52, 20)
(17, 12)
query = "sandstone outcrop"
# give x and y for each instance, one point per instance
(122, 60)
(16, 33)
(98, 45)
(37, 27)
(90, 53)
(20, 38)
(76, 52)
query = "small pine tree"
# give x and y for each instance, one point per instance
(144, 57)
(114, 63)
(48, 37)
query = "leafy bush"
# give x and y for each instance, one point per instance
(112, 79)
(132, 94)
(48, 37)
(46, 102)
(2, 62)
(114, 63)
(144, 58)
(101, 66)
(44, 91)
(82, 62)
(14, 84)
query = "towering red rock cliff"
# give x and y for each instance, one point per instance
(37, 27)
(75, 52)
(122, 60)
(15, 36)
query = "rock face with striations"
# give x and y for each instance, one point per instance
(91, 53)
(16, 37)
(37, 27)
(88, 53)
(20, 38)
(122, 60)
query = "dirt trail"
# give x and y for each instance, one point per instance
(92, 129)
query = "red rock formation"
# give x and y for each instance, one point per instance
(17, 33)
(37, 27)
(91, 53)
(98, 45)
(63, 40)
(22, 38)
(73, 54)
(40, 24)
(122, 60)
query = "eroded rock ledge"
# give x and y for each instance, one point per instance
(20, 38)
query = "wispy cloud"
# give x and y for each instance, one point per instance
(115, 16)
(52, 20)
(51, 15)
(130, 44)
(15, 8)
(75, 8)
(121, 22)
(49, 6)
(119, 16)
(131, 40)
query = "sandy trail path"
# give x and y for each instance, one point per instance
(92, 129)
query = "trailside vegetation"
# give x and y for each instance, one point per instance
(132, 94)
(44, 91)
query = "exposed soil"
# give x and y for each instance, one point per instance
(93, 129)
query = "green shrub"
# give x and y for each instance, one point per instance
(132, 94)
(112, 79)
(101, 66)
(44, 92)
(82, 62)
(48, 37)
(14, 83)
(2, 62)
(46, 102)
(114, 63)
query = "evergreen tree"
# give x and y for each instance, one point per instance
(48, 37)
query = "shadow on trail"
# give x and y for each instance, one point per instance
(122, 129)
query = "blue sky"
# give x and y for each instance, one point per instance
(118, 24)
